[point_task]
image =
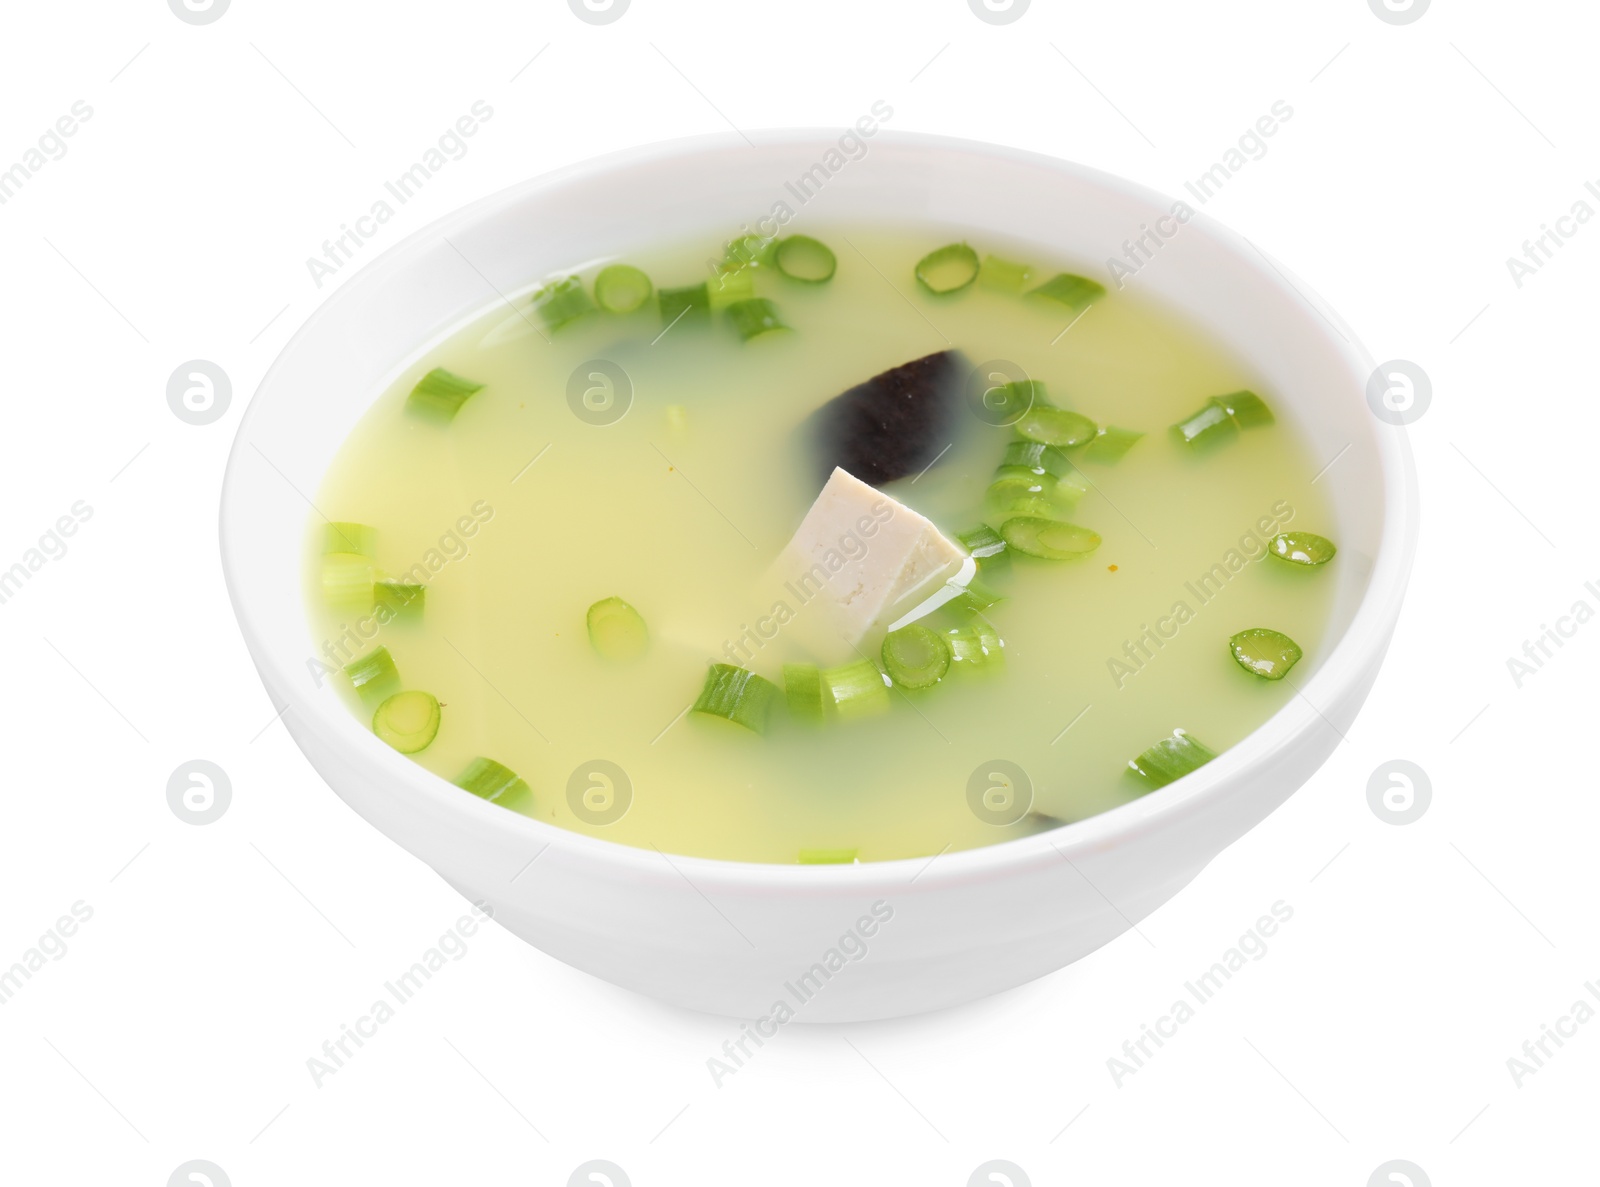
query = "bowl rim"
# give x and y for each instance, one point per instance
(1351, 659)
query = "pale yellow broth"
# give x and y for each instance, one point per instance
(680, 505)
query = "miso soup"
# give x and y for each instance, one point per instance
(854, 545)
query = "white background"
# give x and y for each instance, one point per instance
(218, 959)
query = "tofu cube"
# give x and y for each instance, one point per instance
(859, 561)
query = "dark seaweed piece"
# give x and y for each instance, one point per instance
(895, 424)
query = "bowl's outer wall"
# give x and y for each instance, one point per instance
(945, 942)
(730, 938)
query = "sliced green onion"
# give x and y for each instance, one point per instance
(733, 282)
(802, 689)
(1302, 548)
(976, 595)
(347, 580)
(800, 257)
(1222, 416)
(1071, 486)
(1005, 402)
(1015, 482)
(1027, 455)
(1210, 426)
(1265, 653)
(827, 857)
(1111, 444)
(440, 394)
(1023, 506)
(738, 695)
(374, 676)
(1028, 392)
(1004, 276)
(1038, 457)
(987, 547)
(1056, 426)
(403, 599)
(754, 317)
(975, 643)
(616, 629)
(915, 657)
(1171, 759)
(1247, 409)
(857, 689)
(1016, 492)
(488, 780)
(408, 721)
(1048, 539)
(350, 537)
(1075, 292)
(621, 288)
(689, 302)
(748, 251)
(948, 269)
(562, 301)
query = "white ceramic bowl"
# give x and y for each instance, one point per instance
(730, 937)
